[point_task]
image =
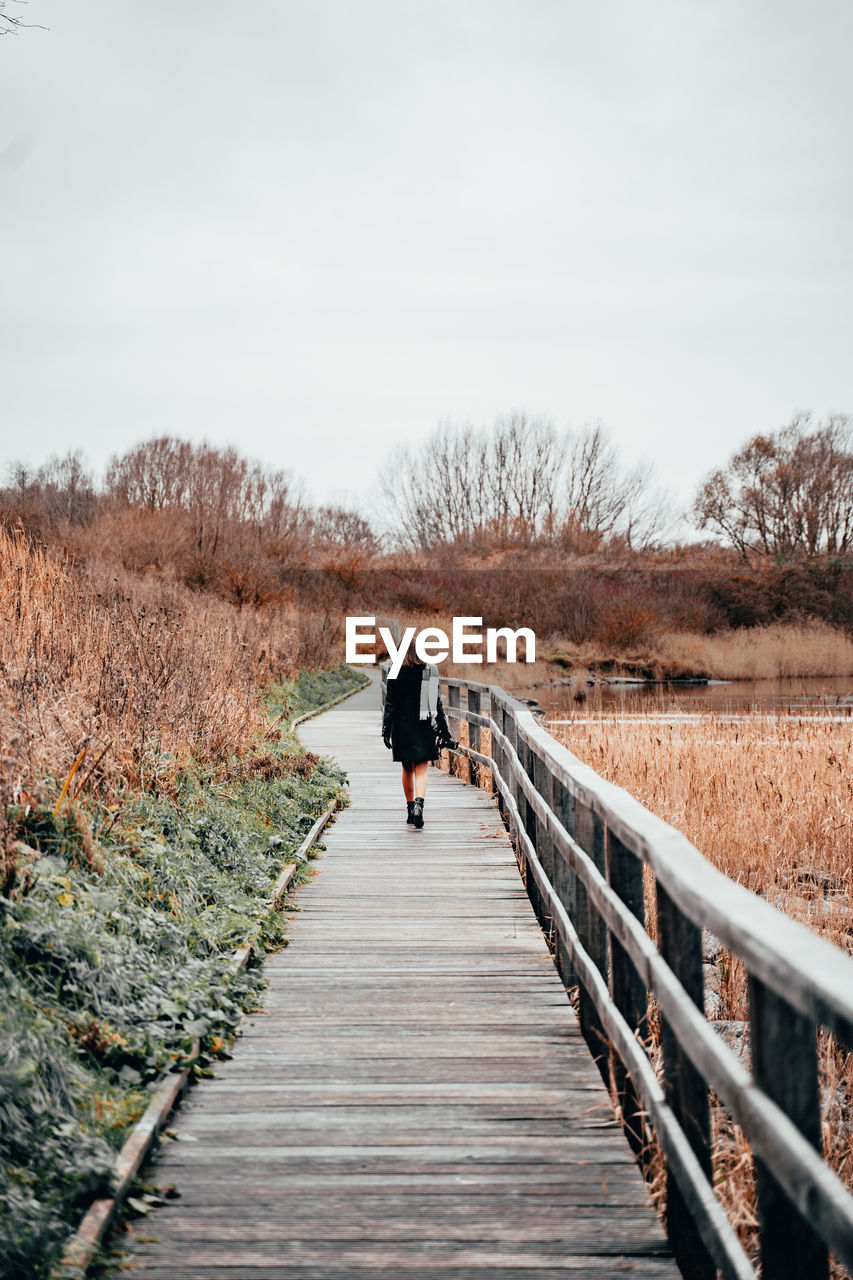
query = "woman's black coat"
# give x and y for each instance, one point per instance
(412, 739)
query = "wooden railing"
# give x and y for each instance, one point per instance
(589, 853)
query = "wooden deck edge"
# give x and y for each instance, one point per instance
(89, 1236)
(81, 1249)
(289, 870)
(87, 1239)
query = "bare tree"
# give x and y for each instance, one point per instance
(466, 482)
(603, 499)
(525, 459)
(788, 493)
(337, 526)
(521, 482)
(61, 490)
(10, 22)
(152, 475)
(596, 493)
(217, 488)
(437, 493)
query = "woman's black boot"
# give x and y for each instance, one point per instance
(418, 813)
(410, 804)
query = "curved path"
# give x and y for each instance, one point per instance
(416, 1100)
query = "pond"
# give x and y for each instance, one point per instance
(820, 697)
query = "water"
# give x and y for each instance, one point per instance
(813, 697)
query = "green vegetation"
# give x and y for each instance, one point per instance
(314, 688)
(116, 931)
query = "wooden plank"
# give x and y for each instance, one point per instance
(813, 975)
(363, 1218)
(416, 1099)
(522, 1254)
(424, 1194)
(423, 1268)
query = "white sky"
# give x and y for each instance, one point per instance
(312, 228)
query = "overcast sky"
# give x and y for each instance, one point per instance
(313, 228)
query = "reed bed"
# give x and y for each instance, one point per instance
(769, 800)
(779, 651)
(109, 680)
(808, 649)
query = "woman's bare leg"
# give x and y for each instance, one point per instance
(409, 773)
(420, 779)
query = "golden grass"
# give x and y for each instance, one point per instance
(519, 678)
(135, 674)
(770, 802)
(783, 650)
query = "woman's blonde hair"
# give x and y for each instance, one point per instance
(411, 659)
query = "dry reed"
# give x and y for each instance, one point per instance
(782, 650)
(770, 802)
(135, 675)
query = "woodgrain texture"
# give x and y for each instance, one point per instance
(416, 1099)
(797, 980)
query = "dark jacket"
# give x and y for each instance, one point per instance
(412, 740)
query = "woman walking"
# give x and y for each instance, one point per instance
(414, 728)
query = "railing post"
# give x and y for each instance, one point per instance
(531, 825)
(542, 780)
(625, 876)
(498, 753)
(680, 944)
(784, 1066)
(565, 881)
(473, 732)
(511, 734)
(589, 833)
(487, 712)
(525, 754)
(453, 716)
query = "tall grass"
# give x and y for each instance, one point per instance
(120, 674)
(770, 802)
(147, 800)
(781, 650)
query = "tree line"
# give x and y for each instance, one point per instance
(786, 494)
(521, 484)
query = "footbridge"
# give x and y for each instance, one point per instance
(420, 1098)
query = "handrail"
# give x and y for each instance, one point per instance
(588, 850)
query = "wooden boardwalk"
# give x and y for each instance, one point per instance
(416, 1100)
